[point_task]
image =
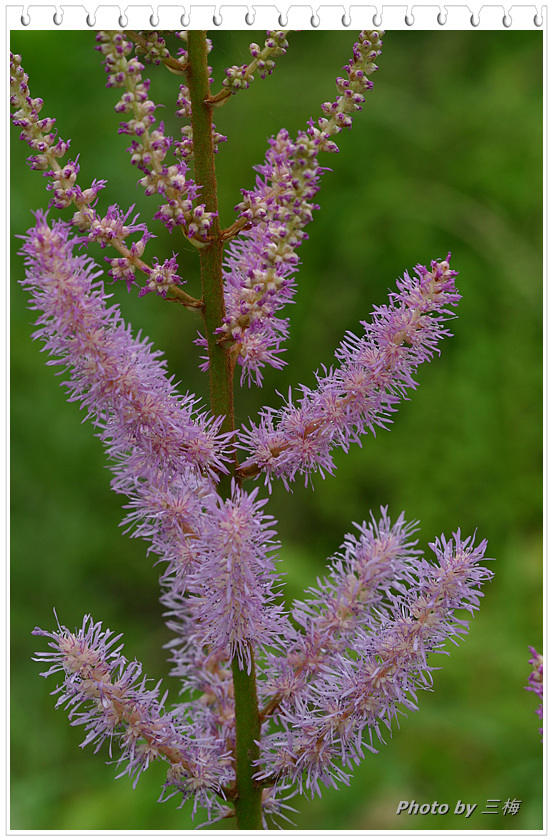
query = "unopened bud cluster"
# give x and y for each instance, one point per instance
(150, 147)
(338, 114)
(110, 229)
(40, 135)
(152, 48)
(260, 268)
(240, 77)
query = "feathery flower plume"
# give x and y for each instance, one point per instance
(262, 261)
(108, 695)
(374, 374)
(361, 685)
(232, 586)
(119, 380)
(361, 575)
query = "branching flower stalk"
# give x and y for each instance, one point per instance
(275, 702)
(247, 722)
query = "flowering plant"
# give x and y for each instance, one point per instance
(276, 701)
(535, 679)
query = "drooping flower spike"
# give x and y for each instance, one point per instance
(107, 695)
(110, 229)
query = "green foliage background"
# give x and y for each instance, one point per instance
(446, 156)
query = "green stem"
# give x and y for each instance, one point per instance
(211, 256)
(248, 794)
(247, 805)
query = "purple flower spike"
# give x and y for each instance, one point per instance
(119, 380)
(535, 680)
(260, 268)
(108, 695)
(383, 609)
(233, 585)
(375, 373)
(360, 577)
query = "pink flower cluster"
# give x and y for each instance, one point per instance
(262, 261)
(535, 680)
(375, 372)
(336, 669)
(150, 147)
(110, 229)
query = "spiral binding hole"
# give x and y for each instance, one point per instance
(315, 21)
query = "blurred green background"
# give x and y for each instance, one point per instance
(446, 156)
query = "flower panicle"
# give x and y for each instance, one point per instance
(263, 62)
(119, 380)
(149, 146)
(359, 688)
(107, 695)
(335, 672)
(375, 372)
(262, 261)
